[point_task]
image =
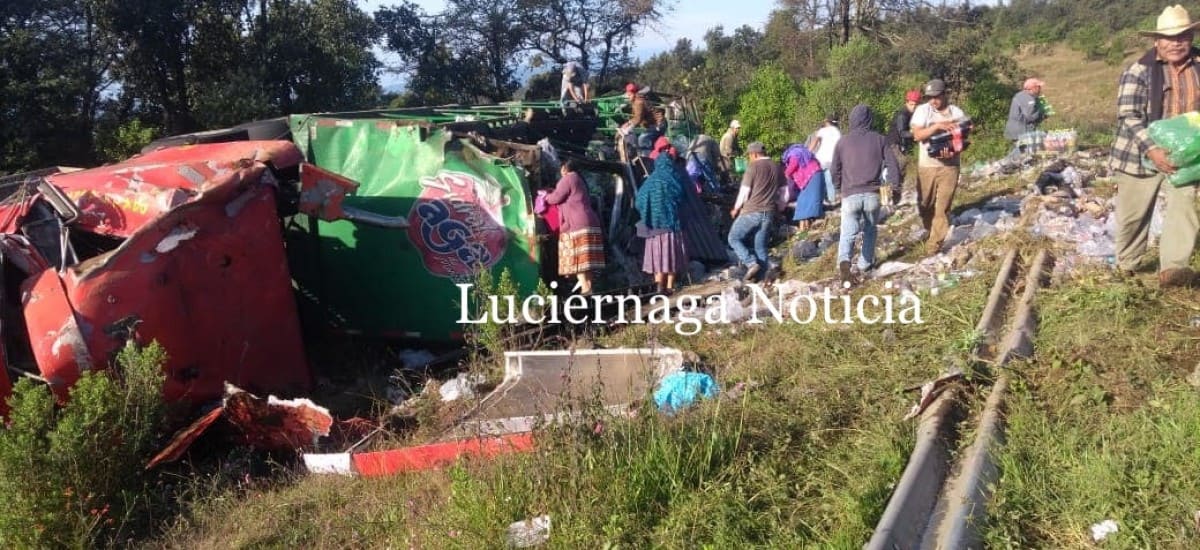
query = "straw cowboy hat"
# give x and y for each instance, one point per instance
(1174, 21)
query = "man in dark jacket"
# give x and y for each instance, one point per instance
(1024, 115)
(900, 138)
(858, 161)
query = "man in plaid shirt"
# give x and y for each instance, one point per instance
(1163, 83)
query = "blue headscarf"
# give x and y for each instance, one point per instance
(660, 195)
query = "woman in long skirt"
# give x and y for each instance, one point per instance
(580, 239)
(805, 173)
(658, 202)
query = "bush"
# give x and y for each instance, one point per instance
(487, 339)
(768, 108)
(74, 476)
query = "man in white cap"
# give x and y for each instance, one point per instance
(1024, 115)
(1163, 83)
(729, 150)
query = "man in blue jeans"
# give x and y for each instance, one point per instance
(858, 162)
(757, 202)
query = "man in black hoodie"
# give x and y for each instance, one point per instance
(858, 161)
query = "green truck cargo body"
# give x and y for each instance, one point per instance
(464, 209)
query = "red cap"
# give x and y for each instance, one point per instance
(631, 88)
(660, 145)
(912, 95)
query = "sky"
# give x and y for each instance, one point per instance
(691, 23)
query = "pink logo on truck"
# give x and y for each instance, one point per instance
(457, 224)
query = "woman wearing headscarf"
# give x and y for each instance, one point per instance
(804, 172)
(658, 202)
(580, 240)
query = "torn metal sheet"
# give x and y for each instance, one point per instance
(191, 256)
(269, 424)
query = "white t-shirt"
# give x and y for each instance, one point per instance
(923, 117)
(829, 136)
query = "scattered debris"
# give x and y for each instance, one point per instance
(461, 387)
(529, 533)
(1194, 377)
(1102, 530)
(677, 391)
(930, 391)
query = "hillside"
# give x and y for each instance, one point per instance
(1083, 92)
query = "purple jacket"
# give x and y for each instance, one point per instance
(575, 208)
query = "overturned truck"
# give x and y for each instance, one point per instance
(218, 244)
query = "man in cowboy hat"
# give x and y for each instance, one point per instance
(1163, 83)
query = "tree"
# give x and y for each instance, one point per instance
(437, 73)
(210, 63)
(54, 66)
(594, 33)
(492, 27)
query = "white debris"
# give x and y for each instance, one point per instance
(888, 269)
(1102, 530)
(529, 533)
(461, 387)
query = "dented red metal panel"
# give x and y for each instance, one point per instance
(119, 199)
(203, 273)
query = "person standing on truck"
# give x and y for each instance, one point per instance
(575, 88)
(640, 116)
(580, 239)
(729, 150)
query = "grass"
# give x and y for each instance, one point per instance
(1102, 423)
(805, 458)
(1101, 426)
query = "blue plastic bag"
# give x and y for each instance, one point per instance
(679, 390)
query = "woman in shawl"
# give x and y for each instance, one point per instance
(658, 202)
(580, 240)
(804, 172)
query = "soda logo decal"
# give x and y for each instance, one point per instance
(456, 224)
